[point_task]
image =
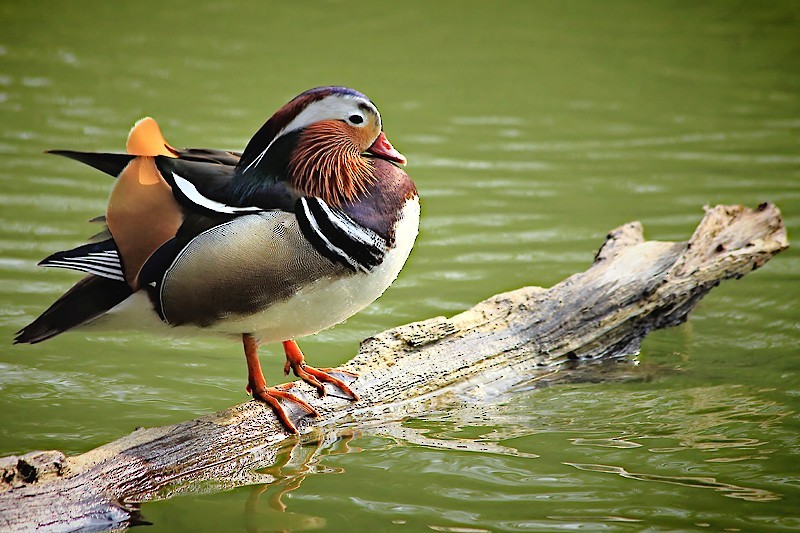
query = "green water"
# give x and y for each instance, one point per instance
(531, 128)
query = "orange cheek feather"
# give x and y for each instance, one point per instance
(362, 136)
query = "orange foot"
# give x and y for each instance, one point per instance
(257, 386)
(295, 361)
(272, 395)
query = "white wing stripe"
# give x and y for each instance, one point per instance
(332, 247)
(350, 228)
(111, 260)
(88, 264)
(90, 269)
(195, 196)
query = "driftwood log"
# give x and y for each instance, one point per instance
(633, 287)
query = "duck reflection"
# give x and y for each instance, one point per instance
(265, 507)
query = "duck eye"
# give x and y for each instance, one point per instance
(356, 119)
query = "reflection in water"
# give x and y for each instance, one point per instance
(299, 460)
(401, 434)
(291, 467)
(696, 420)
(451, 529)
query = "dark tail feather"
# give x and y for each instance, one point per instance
(89, 298)
(111, 164)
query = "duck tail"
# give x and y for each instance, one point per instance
(111, 164)
(86, 300)
(145, 138)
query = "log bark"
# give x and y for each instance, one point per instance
(633, 287)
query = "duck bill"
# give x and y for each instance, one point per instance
(384, 149)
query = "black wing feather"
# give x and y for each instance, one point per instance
(208, 155)
(210, 179)
(111, 164)
(216, 182)
(89, 298)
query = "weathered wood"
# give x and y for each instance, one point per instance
(633, 287)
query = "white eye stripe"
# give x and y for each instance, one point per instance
(332, 107)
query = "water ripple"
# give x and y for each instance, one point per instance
(686, 138)
(423, 161)
(727, 489)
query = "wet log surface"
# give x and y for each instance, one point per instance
(633, 287)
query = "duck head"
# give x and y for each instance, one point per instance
(321, 142)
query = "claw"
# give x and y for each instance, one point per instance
(271, 396)
(295, 361)
(314, 377)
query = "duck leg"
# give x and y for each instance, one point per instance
(296, 361)
(257, 386)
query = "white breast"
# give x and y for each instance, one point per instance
(325, 303)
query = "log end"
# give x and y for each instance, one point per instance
(736, 237)
(38, 466)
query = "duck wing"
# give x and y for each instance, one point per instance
(158, 189)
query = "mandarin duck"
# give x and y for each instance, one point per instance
(306, 227)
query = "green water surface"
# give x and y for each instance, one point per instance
(531, 128)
